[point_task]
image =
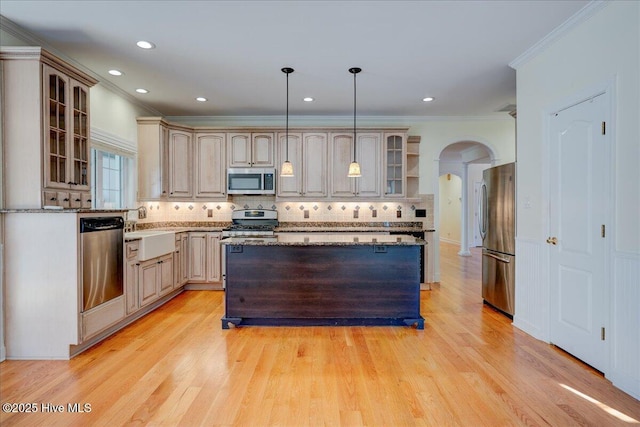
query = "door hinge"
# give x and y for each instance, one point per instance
(604, 128)
(602, 334)
(603, 230)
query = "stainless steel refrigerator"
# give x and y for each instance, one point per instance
(497, 222)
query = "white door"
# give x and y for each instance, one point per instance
(578, 181)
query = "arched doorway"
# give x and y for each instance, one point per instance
(465, 160)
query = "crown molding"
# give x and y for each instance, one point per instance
(105, 139)
(567, 26)
(31, 39)
(345, 121)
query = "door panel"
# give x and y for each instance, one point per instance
(577, 212)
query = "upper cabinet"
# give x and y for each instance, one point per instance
(368, 155)
(394, 165)
(210, 172)
(251, 150)
(180, 164)
(153, 158)
(46, 129)
(177, 162)
(308, 152)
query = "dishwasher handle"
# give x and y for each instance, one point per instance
(88, 225)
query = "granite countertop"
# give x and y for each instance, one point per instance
(293, 227)
(349, 227)
(336, 239)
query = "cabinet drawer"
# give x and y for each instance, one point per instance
(75, 200)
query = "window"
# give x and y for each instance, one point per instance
(110, 176)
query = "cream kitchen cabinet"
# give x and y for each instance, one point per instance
(204, 257)
(180, 260)
(210, 174)
(368, 155)
(46, 130)
(180, 164)
(131, 279)
(153, 158)
(155, 279)
(308, 152)
(394, 165)
(251, 149)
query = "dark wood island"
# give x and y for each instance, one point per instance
(301, 279)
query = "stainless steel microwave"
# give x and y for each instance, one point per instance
(251, 181)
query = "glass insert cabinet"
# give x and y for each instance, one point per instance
(68, 132)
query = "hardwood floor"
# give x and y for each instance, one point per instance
(176, 366)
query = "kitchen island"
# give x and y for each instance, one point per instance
(310, 279)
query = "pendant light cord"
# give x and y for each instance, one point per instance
(354, 71)
(354, 116)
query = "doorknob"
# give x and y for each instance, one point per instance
(552, 240)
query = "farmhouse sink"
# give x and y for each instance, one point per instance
(153, 243)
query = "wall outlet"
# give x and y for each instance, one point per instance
(398, 213)
(209, 213)
(306, 213)
(355, 213)
(374, 213)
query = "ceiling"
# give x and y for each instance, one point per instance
(231, 52)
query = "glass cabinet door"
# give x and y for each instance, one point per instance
(57, 128)
(394, 165)
(80, 174)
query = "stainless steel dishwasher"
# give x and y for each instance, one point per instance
(101, 240)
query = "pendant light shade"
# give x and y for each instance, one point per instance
(287, 166)
(354, 167)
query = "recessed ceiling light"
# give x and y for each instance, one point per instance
(145, 45)
(307, 99)
(142, 90)
(201, 99)
(428, 99)
(116, 72)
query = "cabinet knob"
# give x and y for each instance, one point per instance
(89, 200)
(53, 199)
(78, 200)
(66, 199)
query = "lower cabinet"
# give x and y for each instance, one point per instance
(180, 258)
(204, 257)
(155, 278)
(132, 268)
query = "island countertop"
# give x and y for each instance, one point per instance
(328, 239)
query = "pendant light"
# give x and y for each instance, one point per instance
(287, 167)
(354, 167)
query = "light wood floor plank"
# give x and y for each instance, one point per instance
(178, 367)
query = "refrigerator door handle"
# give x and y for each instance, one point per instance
(499, 258)
(482, 217)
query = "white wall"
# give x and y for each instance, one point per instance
(114, 114)
(603, 50)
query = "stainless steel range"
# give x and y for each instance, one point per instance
(256, 223)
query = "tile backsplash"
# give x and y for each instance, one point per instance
(292, 211)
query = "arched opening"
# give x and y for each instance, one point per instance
(465, 160)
